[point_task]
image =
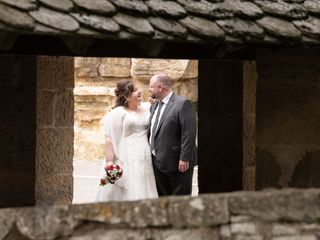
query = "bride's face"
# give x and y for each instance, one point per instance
(135, 96)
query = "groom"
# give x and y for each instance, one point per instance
(172, 136)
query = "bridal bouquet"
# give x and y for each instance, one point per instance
(113, 173)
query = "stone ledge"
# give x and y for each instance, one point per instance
(211, 213)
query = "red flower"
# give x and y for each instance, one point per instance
(103, 181)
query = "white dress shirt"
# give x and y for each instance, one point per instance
(165, 102)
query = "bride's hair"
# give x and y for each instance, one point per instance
(124, 88)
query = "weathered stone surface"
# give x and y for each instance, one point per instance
(91, 62)
(169, 26)
(53, 146)
(22, 4)
(202, 27)
(310, 27)
(97, 6)
(284, 229)
(209, 10)
(15, 18)
(283, 9)
(7, 219)
(169, 9)
(55, 72)
(275, 205)
(54, 189)
(313, 6)
(115, 67)
(191, 70)
(133, 24)
(247, 10)
(45, 223)
(279, 28)
(243, 29)
(63, 109)
(199, 213)
(61, 5)
(143, 69)
(45, 29)
(132, 6)
(55, 19)
(45, 101)
(97, 22)
(147, 234)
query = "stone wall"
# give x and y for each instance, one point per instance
(288, 119)
(54, 145)
(278, 215)
(17, 130)
(94, 93)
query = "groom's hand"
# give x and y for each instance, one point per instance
(183, 165)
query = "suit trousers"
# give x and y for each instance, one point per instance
(173, 183)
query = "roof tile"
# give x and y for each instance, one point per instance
(169, 9)
(246, 10)
(242, 29)
(132, 7)
(209, 10)
(169, 26)
(283, 9)
(21, 4)
(96, 6)
(310, 27)
(313, 6)
(55, 19)
(61, 5)
(134, 24)
(279, 28)
(16, 18)
(104, 24)
(203, 28)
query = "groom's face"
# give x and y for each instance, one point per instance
(155, 88)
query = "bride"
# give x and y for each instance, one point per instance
(126, 127)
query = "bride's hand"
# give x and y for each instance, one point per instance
(109, 163)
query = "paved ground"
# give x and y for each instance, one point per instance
(86, 180)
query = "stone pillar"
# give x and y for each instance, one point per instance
(17, 130)
(249, 124)
(220, 126)
(55, 117)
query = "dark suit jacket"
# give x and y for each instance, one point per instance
(176, 134)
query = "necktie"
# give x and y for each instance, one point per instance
(154, 128)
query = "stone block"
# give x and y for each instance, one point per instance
(243, 228)
(63, 109)
(289, 205)
(191, 70)
(80, 62)
(55, 72)
(45, 223)
(54, 151)
(54, 189)
(143, 69)
(87, 72)
(7, 219)
(202, 211)
(45, 100)
(115, 67)
(285, 229)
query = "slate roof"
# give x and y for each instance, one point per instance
(295, 22)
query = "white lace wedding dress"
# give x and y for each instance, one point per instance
(128, 132)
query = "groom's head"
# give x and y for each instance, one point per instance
(160, 85)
